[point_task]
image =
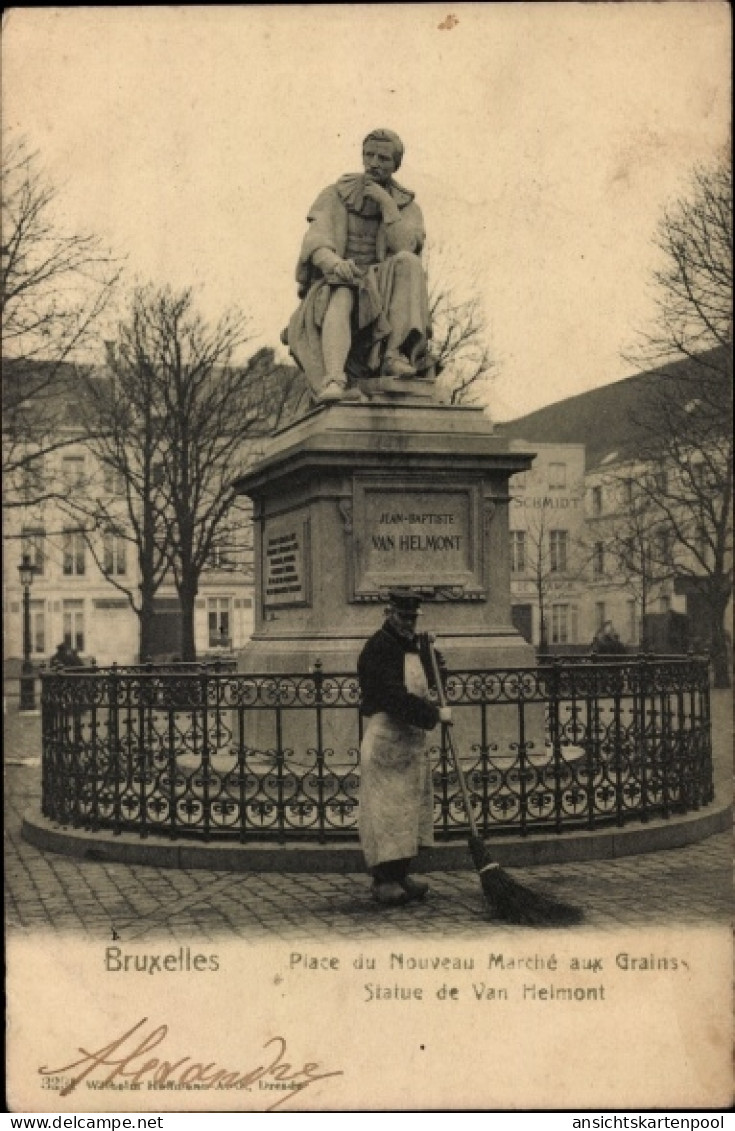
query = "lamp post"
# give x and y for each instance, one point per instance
(27, 678)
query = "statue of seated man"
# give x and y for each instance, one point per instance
(364, 308)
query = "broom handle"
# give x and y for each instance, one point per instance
(448, 737)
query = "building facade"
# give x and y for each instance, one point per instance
(547, 547)
(78, 593)
(82, 576)
(642, 538)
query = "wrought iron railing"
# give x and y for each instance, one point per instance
(220, 756)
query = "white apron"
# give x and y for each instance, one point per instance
(396, 812)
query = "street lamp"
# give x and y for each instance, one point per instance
(27, 678)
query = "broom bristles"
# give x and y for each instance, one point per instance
(513, 902)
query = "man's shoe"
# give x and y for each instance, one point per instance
(389, 894)
(415, 889)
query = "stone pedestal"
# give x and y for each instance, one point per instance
(357, 497)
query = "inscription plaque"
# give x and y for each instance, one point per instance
(284, 569)
(428, 537)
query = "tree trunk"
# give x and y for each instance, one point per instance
(543, 638)
(187, 600)
(719, 644)
(145, 628)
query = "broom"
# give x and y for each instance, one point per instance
(506, 899)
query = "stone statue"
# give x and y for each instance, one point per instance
(364, 308)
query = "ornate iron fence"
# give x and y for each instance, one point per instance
(210, 754)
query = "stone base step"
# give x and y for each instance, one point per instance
(345, 856)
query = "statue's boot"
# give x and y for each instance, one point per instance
(333, 389)
(336, 389)
(396, 365)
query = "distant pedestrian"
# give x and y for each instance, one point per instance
(606, 641)
(65, 657)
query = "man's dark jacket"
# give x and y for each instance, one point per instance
(380, 670)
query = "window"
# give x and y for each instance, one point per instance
(33, 544)
(663, 546)
(32, 474)
(74, 625)
(222, 556)
(73, 553)
(664, 603)
(114, 481)
(114, 554)
(558, 546)
(218, 612)
(598, 560)
(702, 543)
(698, 474)
(557, 475)
(600, 615)
(518, 551)
(520, 481)
(72, 470)
(563, 624)
(628, 491)
(596, 500)
(632, 621)
(661, 480)
(38, 626)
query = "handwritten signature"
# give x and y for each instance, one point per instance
(126, 1057)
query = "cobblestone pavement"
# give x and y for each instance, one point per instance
(46, 891)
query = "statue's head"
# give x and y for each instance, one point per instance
(389, 137)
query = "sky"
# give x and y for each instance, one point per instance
(543, 141)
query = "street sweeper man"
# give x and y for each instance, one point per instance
(396, 796)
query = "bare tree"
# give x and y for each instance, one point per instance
(539, 566)
(122, 509)
(693, 285)
(55, 285)
(631, 548)
(208, 417)
(552, 562)
(683, 430)
(459, 337)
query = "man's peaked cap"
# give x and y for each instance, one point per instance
(404, 599)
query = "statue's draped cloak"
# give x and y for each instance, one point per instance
(380, 293)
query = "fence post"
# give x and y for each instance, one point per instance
(113, 737)
(555, 735)
(206, 756)
(50, 745)
(647, 660)
(708, 792)
(318, 697)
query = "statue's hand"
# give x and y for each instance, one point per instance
(346, 271)
(376, 192)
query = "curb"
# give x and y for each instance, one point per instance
(514, 852)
